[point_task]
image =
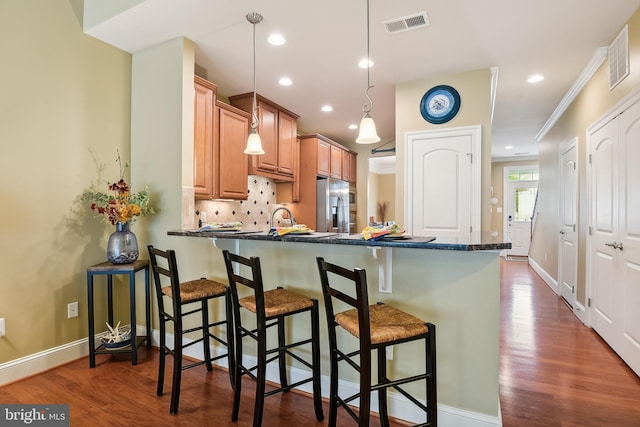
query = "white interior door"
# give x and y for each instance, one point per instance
(604, 222)
(442, 176)
(615, 242)
(629, 234)
(519, 201)
(568, 247)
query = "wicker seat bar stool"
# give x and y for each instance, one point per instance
(376, 327)
(270, 307)
(195, 292)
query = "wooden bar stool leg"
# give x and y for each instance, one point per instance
(163, 356)
(177, 365)
(237, 374)
(315, 359)
(282, 355)
(205, 335)
(382, 393)
(231, 360)
(432, 386)
(261, 378)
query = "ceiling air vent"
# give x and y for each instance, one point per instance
(619, 58)
(406, 23)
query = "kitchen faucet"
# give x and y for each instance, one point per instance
(273, 215)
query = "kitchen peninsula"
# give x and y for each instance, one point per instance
(454, 285)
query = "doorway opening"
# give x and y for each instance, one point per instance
(520, 192)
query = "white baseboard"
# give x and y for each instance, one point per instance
(553, 283)
(399, 406)
(33, 364)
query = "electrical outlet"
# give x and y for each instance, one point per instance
(72, 310)
(2, 330)
(203, 217)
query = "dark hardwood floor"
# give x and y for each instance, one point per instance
(553, 372)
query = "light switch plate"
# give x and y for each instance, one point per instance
(2, 330)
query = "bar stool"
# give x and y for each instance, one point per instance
(195, 291)
(376, 327)
(271, 308)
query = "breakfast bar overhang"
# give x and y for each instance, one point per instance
(453, 285)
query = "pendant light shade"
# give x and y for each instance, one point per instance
(254, 144)
(367, 133)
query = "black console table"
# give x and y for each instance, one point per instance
(109, 270)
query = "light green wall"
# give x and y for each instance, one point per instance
(475, 90)
(592, 103)
(63, 96)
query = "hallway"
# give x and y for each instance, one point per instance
(554, 371)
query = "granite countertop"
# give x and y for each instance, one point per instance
(348, 239)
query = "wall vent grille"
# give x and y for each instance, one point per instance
(619, 58)
(406, 23)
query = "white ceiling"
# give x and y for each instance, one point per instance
(326, 39)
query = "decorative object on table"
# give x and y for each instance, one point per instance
(120, 208)
(116, 337)
(294, 229)
(440, 104)
(382, 211)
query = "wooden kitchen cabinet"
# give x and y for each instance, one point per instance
(229, 157)
(278, 129)
(204, 103)
(336, 162)
(349, 166)
(316, 161)
(220, 135)
(289, 192)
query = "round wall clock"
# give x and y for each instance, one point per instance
(440, 104)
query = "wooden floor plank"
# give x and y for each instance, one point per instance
(554, 371)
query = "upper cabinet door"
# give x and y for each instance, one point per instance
(203, 133)
(268, 131)
(287, 131)
(233, 125)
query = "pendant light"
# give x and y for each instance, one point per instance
(254, 144)
(367, 133)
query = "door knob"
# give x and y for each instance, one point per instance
(561, 231)
(613, 245)
(619, 246)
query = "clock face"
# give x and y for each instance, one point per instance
(440, 104)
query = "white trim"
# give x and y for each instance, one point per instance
(581, 312)
(494, 89)
(546, 277)
(27, 366)
(592, 66)
(399, 407)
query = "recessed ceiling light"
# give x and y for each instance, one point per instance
(508, 147)
(353, 126)
(365, 63)
(327, 108)
(285, 81)
(276, 39)
(535, 78)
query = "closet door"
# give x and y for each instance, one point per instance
(604, 219)
(629, 235)
(615, 240)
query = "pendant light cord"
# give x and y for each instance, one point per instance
(254, 124)
(367, 108)
(254, 18)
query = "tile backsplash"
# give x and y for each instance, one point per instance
(254, 212)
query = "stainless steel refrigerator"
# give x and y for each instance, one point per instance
(332, 205)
